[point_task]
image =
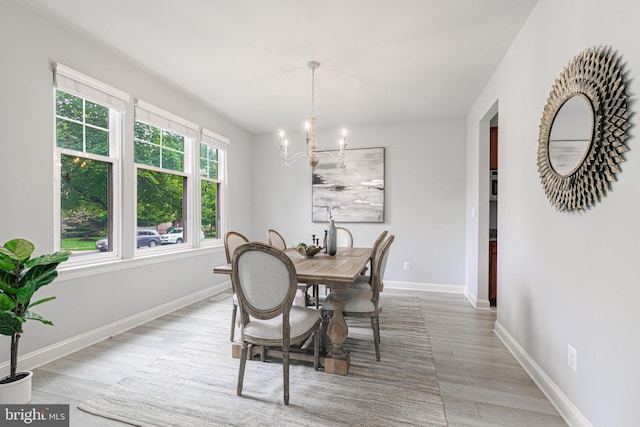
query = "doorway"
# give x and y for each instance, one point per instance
(493, 212)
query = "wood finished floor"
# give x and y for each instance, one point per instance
(480, 381)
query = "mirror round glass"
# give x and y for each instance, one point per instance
(570, 135)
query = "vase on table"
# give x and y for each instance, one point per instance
(332, 238)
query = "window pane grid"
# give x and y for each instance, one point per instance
(89, 141)
(208, 161)
(158, 147)
(78, 124)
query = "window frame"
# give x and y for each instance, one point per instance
(166, 121)
(220, 143)
(123, 169)
(72, 82)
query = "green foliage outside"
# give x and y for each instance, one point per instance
(209, 209)
(79, 244)
(160, 198)
(83, 126)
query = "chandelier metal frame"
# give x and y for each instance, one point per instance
(312, 154)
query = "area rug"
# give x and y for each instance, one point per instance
(195, 385)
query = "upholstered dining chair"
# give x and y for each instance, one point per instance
(363, 302)
(364, 281)
(276, 240)
(344, 238)
(232, 240)
(264, 278)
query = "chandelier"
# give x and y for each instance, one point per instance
(312, 154)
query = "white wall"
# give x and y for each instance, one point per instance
(424, 195)
(564, 278)
(90, 299)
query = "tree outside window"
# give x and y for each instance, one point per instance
(209, 191)
(82, 138)
(162, 192)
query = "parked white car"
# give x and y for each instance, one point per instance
(175, 236)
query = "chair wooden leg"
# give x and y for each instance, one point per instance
(233, 322)
(316, 295)
(285, 372)
(316, 349)
(375, 325)
(243, 361)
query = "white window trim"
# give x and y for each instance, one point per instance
(72, 81)
(162, 119)
(76, 83)
(156, 116)
(115, 142)
(222, 143)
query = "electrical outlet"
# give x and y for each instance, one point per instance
(572, 358)
(405, 265)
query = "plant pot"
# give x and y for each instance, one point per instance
(16, 392)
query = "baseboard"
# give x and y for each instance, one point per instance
(478, 304)
(565, 407)
(55, 351)
(426, 287)
(482, 304)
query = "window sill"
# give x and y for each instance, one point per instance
(77, 271)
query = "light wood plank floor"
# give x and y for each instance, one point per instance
(480, 382)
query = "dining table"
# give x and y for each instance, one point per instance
(335, 272)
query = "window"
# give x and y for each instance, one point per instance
(88, 117)
(179, 174)
(212, 154)
(162, 144)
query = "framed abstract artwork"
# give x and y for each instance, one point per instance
(351, 190)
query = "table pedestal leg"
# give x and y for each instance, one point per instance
(337, 360)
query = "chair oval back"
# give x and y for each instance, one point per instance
(232, 240)
(276, 240)
(376, 246)
(264, 278)
(379, 268)
(344, 237)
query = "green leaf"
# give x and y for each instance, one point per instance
(41, 275)
(8, 264)
(41, 301)
(8, 290)
(54, 258)
(34, 316)
(18, 249)
(10, 324)
(26, 292)
(6, 302)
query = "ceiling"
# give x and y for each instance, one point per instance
(381, 61)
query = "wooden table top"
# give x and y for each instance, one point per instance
(344, 267)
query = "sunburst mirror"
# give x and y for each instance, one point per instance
(583, 130)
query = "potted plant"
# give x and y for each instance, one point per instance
(20, 278)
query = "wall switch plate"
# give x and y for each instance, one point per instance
(405, 265)
(572, 358)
